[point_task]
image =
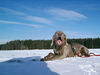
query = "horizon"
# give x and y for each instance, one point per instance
(47, 39)
(39, 20)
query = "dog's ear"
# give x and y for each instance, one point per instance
(65, 38)
(52, 40)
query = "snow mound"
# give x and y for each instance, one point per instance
(26, 62)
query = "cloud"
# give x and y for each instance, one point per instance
(26, 16)
(38, 19)
(72, 34)
(12, 11)
(28, 8)
(66, 14)
(19, 23)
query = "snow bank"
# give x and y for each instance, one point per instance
(26, 62)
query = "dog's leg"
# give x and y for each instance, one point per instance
(84, 51)
(55, 57)
(49, 56)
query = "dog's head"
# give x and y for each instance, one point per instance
(59, 39)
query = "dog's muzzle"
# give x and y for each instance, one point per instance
(59, 41)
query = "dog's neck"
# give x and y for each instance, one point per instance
(59, 48)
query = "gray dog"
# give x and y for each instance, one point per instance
(62, 49)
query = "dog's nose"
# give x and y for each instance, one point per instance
(59, 38)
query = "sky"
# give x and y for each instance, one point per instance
(40, 19)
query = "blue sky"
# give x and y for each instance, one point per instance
(39, 19)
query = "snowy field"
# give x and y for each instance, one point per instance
(26, 62)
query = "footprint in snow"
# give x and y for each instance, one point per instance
(90, 69)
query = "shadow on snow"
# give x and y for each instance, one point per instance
(25, 66)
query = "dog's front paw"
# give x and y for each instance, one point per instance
(43, 59)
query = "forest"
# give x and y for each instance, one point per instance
(46, 44)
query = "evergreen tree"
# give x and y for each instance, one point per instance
(46, 44)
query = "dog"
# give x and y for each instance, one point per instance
(62, 49)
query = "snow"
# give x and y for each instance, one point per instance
(26, 62)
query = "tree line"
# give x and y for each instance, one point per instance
(46, 44)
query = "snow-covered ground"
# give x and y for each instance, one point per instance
(26, 62)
